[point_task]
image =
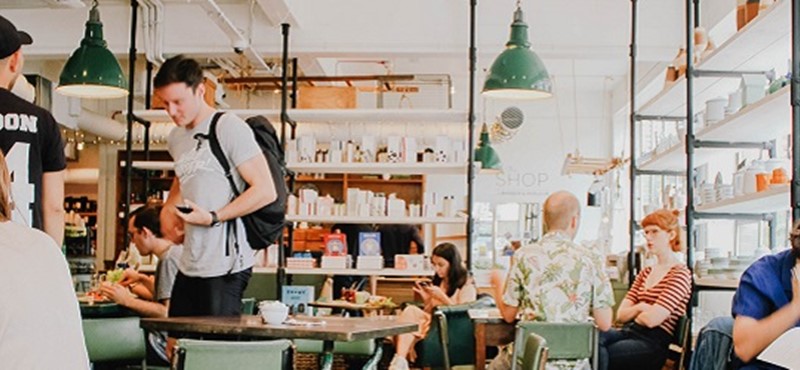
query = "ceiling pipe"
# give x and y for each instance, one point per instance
(238, 41)
(110, 129)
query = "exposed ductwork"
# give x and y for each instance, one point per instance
(153, 30)
(107, 128)
(239, 42)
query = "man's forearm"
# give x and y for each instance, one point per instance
(53, 205)
(147, 308)
(248, 202)
(54, 224)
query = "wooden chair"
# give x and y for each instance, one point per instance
(535, 355)
(678, 349)
(212, 355)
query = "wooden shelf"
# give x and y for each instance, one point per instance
(709, 282)
(385, 182)
(381, 168)
(376, 220)
(311, 179)
(757, 46)
(764, 120)
(359, 272)
(335, 115)
(674, 158)
(772, 200)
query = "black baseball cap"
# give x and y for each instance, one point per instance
(11, 39)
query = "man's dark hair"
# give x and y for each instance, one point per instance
(179, 69)
(148, 216)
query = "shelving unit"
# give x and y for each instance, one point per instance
(753, 49)
(769, 201)
(289, 119)
(381, 168)
(376, 220)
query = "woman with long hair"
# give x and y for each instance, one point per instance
(39, 309)
(451, 285)
(657, 299)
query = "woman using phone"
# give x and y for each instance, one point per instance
(451, 285)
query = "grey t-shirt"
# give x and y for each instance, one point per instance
(202, 180)
(166, 270)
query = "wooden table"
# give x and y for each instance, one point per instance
(490, 330)
(350, 306)
(342, 329)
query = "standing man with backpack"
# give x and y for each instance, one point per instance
(217, 258)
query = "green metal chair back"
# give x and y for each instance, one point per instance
(565, 341)
(114, 339)
(535, 355)
(451, 338)
(213, 355)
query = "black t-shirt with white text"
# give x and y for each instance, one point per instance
(32, 143)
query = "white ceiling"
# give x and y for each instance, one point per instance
(584, 43)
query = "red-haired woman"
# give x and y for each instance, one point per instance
(653, 305)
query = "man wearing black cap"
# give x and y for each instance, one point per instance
(31, 141)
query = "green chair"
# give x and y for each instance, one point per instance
(248, 306)
(565, 341)
(114, 339)
(535, 355)
(213, 355)
(451, 339)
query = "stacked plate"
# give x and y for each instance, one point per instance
(707, 193)
(724, 191)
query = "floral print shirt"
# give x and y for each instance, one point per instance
(557, 280)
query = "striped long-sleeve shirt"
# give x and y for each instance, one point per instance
(671, 292)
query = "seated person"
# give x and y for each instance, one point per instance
(766, 304)
(40, 323)
(397, 239)
(451, 285)
(145, 230)
(554, 280)
(653, 305)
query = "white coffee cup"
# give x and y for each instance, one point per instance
(273, 312)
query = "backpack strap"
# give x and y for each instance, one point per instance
(216, 149)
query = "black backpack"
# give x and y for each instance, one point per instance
(264, 226)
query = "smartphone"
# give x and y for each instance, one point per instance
(184, 208)
(425, 283)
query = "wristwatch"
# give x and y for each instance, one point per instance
(214, 219)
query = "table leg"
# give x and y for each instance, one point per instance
(327, 355)
(480, 346)
(373, 285)
(372, 363)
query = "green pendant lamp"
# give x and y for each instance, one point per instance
(92, 71)
(518, 73)
(486, 155)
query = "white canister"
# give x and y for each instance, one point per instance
(738, 183)
(735, 101)
(715, 110)
(750, 185)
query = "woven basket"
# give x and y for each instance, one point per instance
(310, 361)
